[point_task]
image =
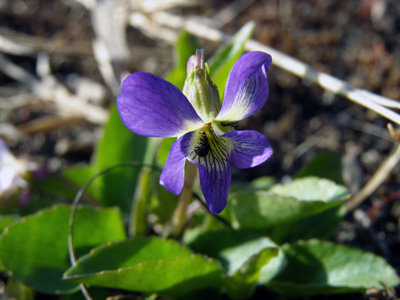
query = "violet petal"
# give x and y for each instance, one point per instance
(151, 106)
(215, 182)
(249, 148)
(247, 87)
(212, 158)
(173, 174)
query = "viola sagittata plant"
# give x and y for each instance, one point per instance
(150, 106)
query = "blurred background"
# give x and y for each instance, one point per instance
(62, 61)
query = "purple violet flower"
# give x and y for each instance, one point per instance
(150, 106)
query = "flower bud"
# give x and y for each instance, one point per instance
(201, 92)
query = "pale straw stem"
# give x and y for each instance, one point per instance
(367, 99)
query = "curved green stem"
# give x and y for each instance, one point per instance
(74, 208)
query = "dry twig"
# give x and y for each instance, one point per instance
(47, 123)
(50, 89)
(376, 180)
(281, 60)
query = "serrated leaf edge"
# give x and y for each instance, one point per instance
(140, 265)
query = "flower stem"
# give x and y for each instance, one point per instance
(179, 217)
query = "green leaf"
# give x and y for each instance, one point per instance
(185, 47)
(163, 151)
(65, 186)
(35, 249)
(126, 254)
(291, 210)
(328, 222)
(312, 189)
(222, 62)
(77, 176)
(140, 206)
(321, 267)
(261, 183)
(261, 210)
(243, 254)
(326, 165)
(242, 284)
(162, 203)
(148, 265)
(232, 248)
(117, 145)
(6, 220)
(273, 268)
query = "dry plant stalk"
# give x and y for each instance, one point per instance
(50, 89)
(394, 133)
(47, 123)
(367, 99)
(376, 180)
